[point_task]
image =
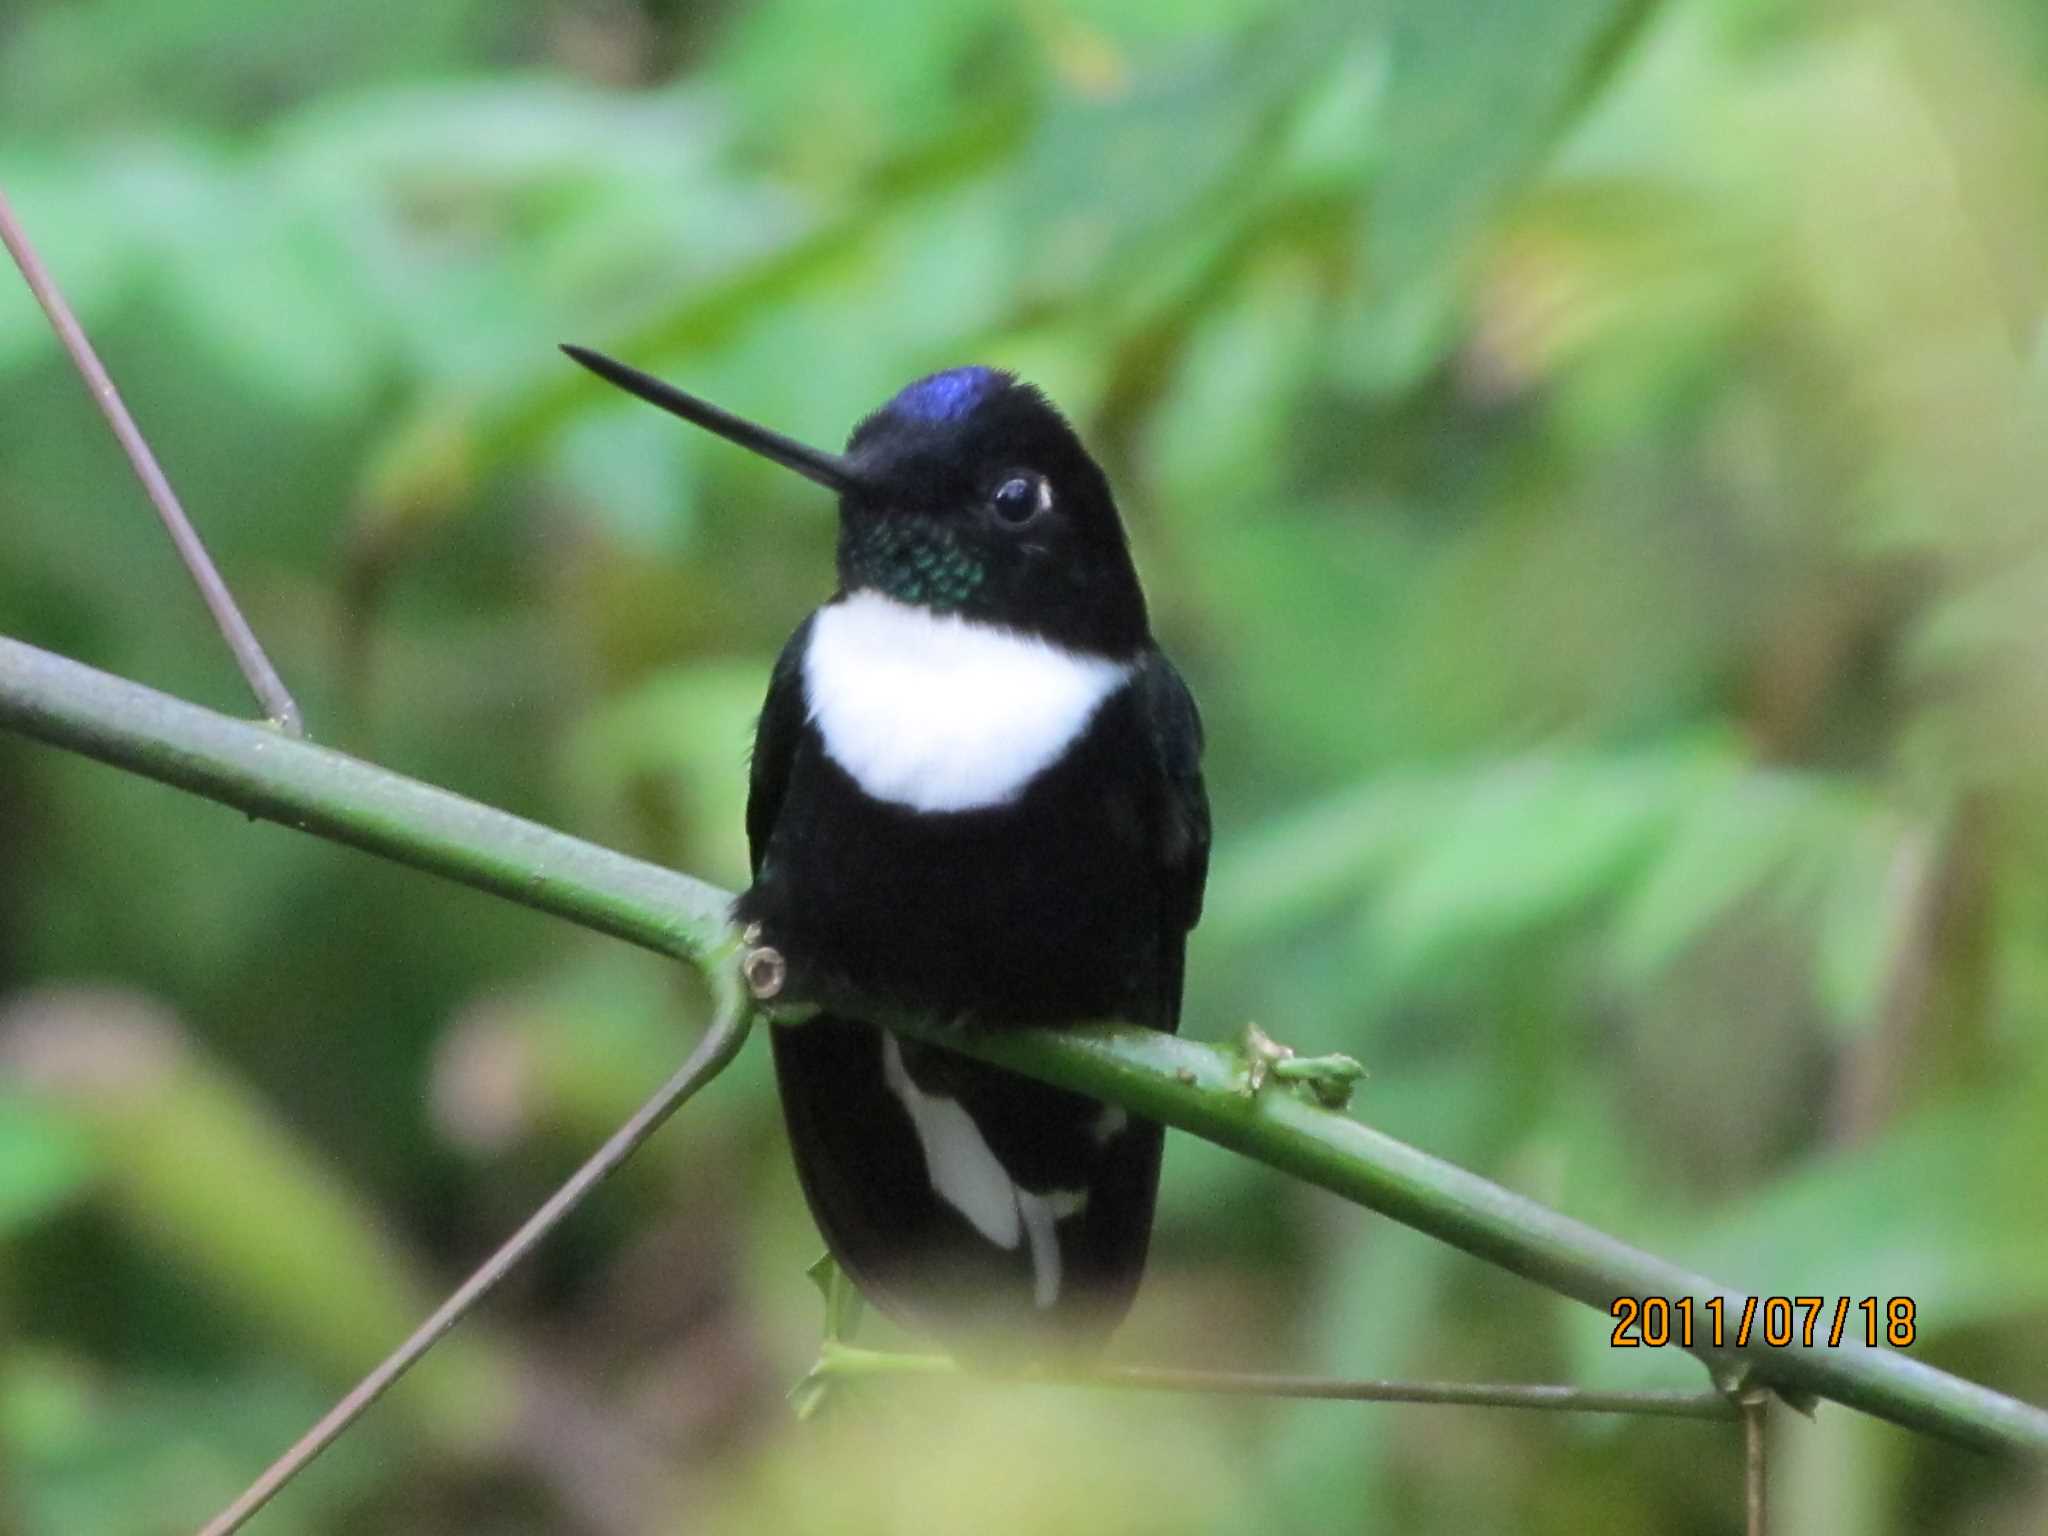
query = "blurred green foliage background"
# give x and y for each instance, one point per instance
(1588, 455)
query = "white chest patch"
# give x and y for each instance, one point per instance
(940, 713)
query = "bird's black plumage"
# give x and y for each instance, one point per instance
(976, 792)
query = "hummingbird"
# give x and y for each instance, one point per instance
(975, 794)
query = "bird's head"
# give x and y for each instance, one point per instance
(969, 494)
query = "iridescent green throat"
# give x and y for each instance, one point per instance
(914, 560)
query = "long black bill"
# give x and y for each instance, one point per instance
(829, 469)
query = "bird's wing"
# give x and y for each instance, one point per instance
(1174, 726)
(775, 743)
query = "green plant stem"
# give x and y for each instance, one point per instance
(1198, 1088)
(1193, 1087)
(254, 768)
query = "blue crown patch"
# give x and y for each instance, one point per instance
(947, 396)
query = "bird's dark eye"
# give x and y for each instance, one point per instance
(1021, 498)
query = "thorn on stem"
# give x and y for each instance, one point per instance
(1328, 1078)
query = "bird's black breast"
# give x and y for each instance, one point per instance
(1044, 909)
(1069, 901)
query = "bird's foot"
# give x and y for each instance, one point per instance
(843, 1309)
(844, 1304)
(1329, 1078)
(839, 1364)
(840, 1360)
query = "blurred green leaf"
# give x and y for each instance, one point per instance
(1737, 832)
(626, 466)
(142, 1457)
(1446, 167)
(1158, 172)
(1521, 846)
(677, 747)
(45, 1159)
(792, 64)
(1874, 898)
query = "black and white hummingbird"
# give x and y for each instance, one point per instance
(976, 793)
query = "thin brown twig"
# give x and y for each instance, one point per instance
(1754, 1406)
(271, 695)
(721, 1042)
(847, 1361)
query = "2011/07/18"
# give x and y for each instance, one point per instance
(1656, 1322)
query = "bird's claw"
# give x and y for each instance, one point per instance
(1329, 1078)
(843, 1309)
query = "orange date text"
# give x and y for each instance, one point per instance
(1715, 1322)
